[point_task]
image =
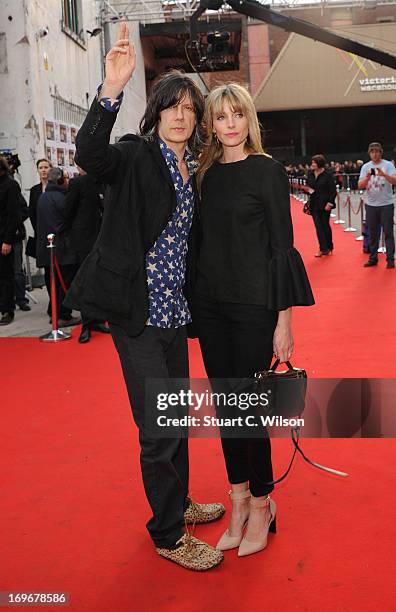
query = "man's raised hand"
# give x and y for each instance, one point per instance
(120, 64)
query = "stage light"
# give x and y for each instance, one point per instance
(218, 44)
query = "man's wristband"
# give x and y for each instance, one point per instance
(110, 104)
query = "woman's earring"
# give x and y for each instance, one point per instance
(215, 138)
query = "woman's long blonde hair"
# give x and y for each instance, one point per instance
(239, 100)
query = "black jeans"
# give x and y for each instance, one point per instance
(236, 342)
(157, 353)
(20, 280)
(380, 216)
(7, 282)
(321, 219)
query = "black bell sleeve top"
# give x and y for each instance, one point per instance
(247, 254)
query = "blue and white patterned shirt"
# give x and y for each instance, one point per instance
(166, 260)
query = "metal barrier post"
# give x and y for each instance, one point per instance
(348, 201)
(55, 335)
(304, 195)
(338, 221)
(361, 206)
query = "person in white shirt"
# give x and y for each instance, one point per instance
(377, 176)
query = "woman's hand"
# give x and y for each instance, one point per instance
(283, 337)
(120, 64)
(328, 207)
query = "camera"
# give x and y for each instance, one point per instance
(11, 158)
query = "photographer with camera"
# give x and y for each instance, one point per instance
(377, 176)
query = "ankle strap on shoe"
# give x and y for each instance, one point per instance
(260, 502)
(238, 495)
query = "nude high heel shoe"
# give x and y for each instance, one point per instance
(226, 541)
(246, 546)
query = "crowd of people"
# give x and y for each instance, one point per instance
(69, 209)
(346, 174)
(377, 177)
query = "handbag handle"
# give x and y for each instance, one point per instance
(295, 434)
(277, 362)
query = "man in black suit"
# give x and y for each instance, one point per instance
(20, 280)
(10, 217)
(138, 277)
(51, 220)
(83, 214)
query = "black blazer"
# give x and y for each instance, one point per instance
(111, 284)
(51, 220)
(35, 193)
(83, 213)
(325, 190)
(10, 209)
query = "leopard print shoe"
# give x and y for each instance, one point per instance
(203, 513)
(193, 554)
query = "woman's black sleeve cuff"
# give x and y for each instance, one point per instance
(288, 281)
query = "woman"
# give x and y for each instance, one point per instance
(248, 277)
(43, 167)
(322, 190)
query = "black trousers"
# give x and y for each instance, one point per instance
(68, 272)
(321, 219)
(87, 320)
(380, 216)
(20, 280)
(7, 282)
(236, 342)
(157, 353)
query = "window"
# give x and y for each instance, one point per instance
(72, 20)
(66, 112)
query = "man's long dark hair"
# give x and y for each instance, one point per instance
(168, 91)
(4, 167)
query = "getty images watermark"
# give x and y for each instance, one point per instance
(257, 404)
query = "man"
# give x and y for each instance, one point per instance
(377, 176)
(51, 220)
(135, 274)
(83, 214)
(20, 281)
(10, 217)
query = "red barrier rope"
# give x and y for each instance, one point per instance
(62, 282)
(355, 212)
(346, 201)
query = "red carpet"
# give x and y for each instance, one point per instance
(73, 508)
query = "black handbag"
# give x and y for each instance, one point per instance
(30, 249)
(285, 390)
(286, 393)
(307, 207)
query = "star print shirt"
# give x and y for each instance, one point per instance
(166, 260)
